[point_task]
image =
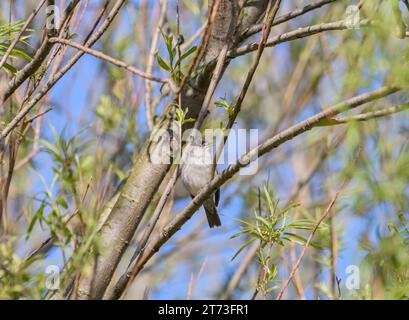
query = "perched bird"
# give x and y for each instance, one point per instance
(196, 172)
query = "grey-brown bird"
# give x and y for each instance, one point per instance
(196, 172)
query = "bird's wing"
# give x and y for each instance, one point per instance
(217, 197)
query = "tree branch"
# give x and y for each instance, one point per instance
(286, 17)
(366, 116)
(23, 29)
(294, 35)
(148, 86)
(31, 67)
(50, 83)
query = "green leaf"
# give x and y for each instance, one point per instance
(243, 221)
(242, 248)
(10, 68)
(263, 221)
(302, 224)
(72, 36)
(168, 42)
(326, 122)
(236, 235)
(303, 240)
(186, 54)
(20, 53)
(270, 202)
(6, 35)
(52, 149)
(37, 216)
(61, 201)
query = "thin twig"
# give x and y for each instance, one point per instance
(201, 49)
(193, 281)
(367, 115)
(307, 243)
(296, 34)
(288, 16)
(148, 86)
(333, 253)
(37, 115)
(212, 86)
(186, 45)
(268, 22)
(323, 216)
(114, 61)
(50, 83)
(23, 29)
(41, 54)
(240, 271)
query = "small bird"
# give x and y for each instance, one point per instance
(196, 172)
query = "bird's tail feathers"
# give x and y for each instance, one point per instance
(211, 213)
